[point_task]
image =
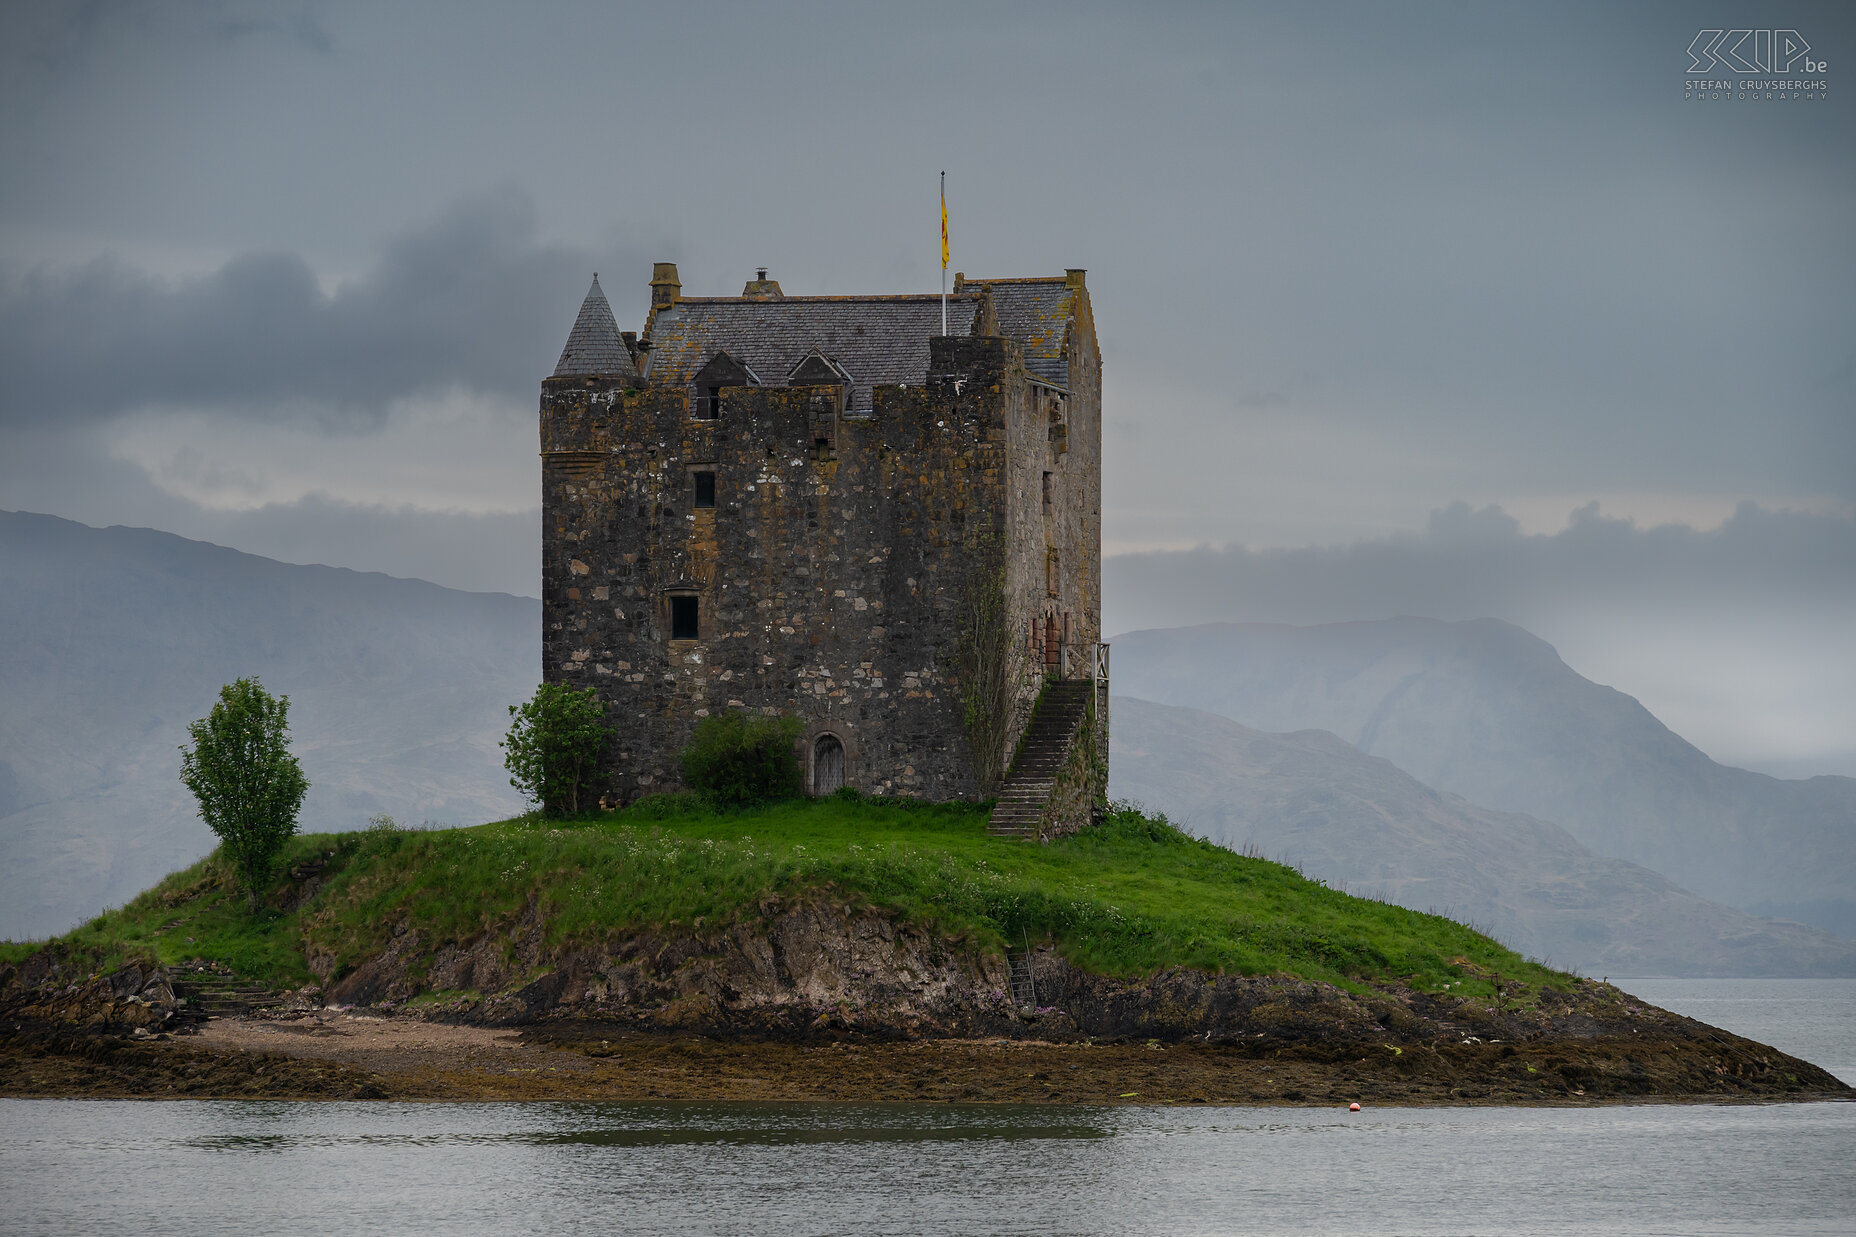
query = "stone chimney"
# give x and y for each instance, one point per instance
(761, 288)
(666, 288)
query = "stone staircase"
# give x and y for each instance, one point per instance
(1046, 746)
(211, 992)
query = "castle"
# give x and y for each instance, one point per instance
(831, 508)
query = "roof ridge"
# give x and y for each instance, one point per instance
(931, 297)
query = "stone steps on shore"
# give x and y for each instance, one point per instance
(210, 992)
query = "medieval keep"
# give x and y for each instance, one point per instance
(826, 507)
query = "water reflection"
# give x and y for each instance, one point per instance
(688, 1125)
(794, 1169)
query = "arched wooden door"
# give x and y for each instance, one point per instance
(827, 764)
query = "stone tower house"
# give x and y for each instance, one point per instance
(824, 507)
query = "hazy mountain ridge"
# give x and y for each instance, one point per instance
(112, 640)
(1312, 799)
(1487, 711)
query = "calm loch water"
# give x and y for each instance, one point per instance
(224, 1167)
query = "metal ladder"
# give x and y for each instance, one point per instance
(1024, 991)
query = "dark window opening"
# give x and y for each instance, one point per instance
(711, 405)
(705, 489)
(1047, 491)
(683, 618)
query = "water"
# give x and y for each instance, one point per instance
(224, 1167)
(231, 1167)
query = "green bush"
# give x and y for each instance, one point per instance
(249, 786)
(668, 805)
(553, 746)
(735, 759)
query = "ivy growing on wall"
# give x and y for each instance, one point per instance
(983, 660)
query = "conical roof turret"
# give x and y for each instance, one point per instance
(594, 348)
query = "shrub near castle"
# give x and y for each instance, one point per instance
(553, 747)
(735, 759)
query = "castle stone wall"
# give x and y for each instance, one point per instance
(827, 578)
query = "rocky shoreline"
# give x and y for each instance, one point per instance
(661, 1025)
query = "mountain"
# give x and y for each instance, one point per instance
(1362, 824)
(1484, 710)
(112, 640)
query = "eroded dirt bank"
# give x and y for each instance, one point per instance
(810, 1002)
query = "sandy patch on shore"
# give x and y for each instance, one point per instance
(385, 1045)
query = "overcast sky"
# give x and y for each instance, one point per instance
(287, 278)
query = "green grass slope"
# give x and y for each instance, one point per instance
(1130, 897)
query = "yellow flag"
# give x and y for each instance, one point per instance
(944, 221)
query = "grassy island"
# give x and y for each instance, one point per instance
(1133, 896)
(842, 949)
(836, 950)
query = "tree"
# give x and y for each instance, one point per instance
(249, 786)
(735, 759)
(553, 746)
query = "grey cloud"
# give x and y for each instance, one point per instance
(65, 474)
(1476, 563)
(492, 552)
(470, 300)
(300, 28)
(1737, 637)
(62, 34)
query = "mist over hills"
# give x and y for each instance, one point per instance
(1359, 822)
(1485, 710)
(112, 640)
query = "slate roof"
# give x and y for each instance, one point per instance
(594, 346)
(1037, 313)
(877, 340)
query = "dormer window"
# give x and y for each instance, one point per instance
(830, 383)
(721, 371)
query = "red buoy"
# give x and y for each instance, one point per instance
(1353, 1108)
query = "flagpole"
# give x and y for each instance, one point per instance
(943, 253)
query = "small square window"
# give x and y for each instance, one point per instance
(683, 624)
(705, 489)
